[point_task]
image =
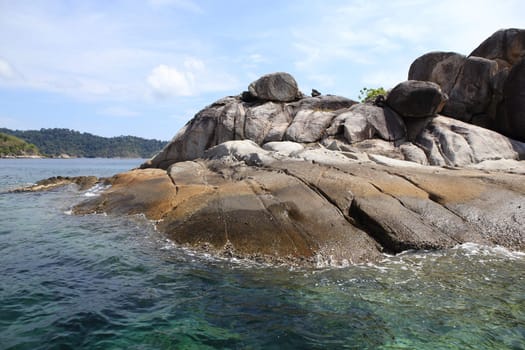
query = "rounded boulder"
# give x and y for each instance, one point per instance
(416, 99)
(279, 87)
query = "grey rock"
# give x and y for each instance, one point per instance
(416, 99)
(365, 121)
(309, 125)
(439, 67)
(472, 92)
(246, 151)
(283, 147)
(326, 103)
(280, 87)
(266, 122)
(451, 142)
(413, 153)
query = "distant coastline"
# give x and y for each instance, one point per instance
(65, 143)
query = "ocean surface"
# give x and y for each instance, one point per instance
(102, 282)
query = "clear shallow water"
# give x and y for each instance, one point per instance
(97, 282)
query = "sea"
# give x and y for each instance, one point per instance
(107, 282)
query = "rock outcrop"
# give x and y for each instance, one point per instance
(307, 208)
(485, 88)
(82, 182)
(273, 175)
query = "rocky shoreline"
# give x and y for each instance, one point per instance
(274, 175)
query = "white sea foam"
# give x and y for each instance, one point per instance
(474, 249)
(96, 190)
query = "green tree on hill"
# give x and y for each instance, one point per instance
(54, 142)
(12, 146)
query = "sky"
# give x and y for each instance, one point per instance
(145, 67)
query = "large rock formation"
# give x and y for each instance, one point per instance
(485, 88)
(311, 206)
(278, 176)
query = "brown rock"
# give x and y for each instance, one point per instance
(507, 46)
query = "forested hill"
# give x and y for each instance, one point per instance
(11, 146)
(56, 142)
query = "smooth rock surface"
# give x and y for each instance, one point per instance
(451, 142)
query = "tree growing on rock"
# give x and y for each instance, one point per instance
(371, 94)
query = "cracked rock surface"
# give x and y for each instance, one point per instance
(287, 209)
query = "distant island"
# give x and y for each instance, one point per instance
(66, 143)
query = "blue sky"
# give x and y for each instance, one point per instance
(144, 68)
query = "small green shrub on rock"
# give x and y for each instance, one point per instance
(370, 95)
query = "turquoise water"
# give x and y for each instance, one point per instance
(99, 282)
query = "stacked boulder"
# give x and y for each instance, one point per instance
(405, 126)
(485, 88)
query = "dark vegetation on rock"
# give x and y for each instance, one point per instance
(56, 142)
(274, 175)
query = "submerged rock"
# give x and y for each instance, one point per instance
(83, 183)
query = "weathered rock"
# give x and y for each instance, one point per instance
(507, 46)
(472, 92)
(416, 99)
(283, 147)
(266, 122)
(302, 212)
(230, 122)
(441, 68)
(451, 142)
(280, 87)
(194, 138)
(380, 147)
(309, 125)
(513, 123)
(413, 153)
(365, 121)
(146, 191)
(83, 183)
(475, 85)
(325, 103)
(246, 151)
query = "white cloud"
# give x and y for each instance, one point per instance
(168, 81)
(192, 79)
(6, 70)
